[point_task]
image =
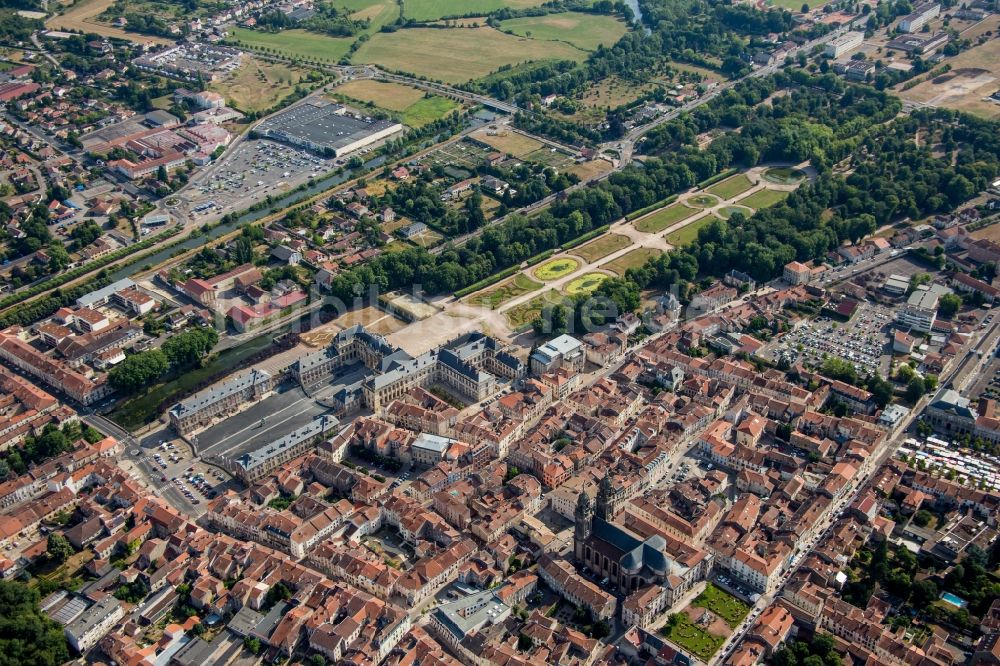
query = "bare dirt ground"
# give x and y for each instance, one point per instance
(974, 76)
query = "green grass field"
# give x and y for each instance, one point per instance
(556, 268)
(659, 220)
(378, 12)
(585, 284)
(456, 55)
(523, 314)
(784, 175)
(796, 5)
(602, 247)
(727, 212)
(689, 232)
(703, 201)
(584, 31)
(412, 106)
(499, 294)
(294, 43)
(763, 199)
(431, 10)
(691, 637)
(731, 187)
(723, 604)
(634, 259)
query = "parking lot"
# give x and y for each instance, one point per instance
(861, 341)
(255, 169)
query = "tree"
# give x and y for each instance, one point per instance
(948, 305)
(880, 389)
(28, 637)
(923, 518)
(58, 548)
(252, 644)
(138, 371)
(915, 389)
(161, 174)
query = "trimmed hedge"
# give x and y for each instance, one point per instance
(502, 275)
(716, 178)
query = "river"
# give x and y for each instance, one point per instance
(637, 13)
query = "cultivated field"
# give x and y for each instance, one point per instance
(661, 219)
(731, 187)
(509, 142)
(412, 106)
(83, 15)
(763, 199)
(430, 10)
(456, 55)
(257, 85)
(584, 31)
(294, 43)
(602, 247)
(688, 232)
(590, 169)
(633, 259)
(974, 75)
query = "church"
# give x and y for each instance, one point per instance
(626, 560)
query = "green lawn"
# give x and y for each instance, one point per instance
(691, 637)
(556, 268)
(796, 5)
(727, 212)
(731, 187)
(427, 110)
(586, 283)
(584, 31)
(703, 201)
(602, 247)
(294, 43)
(430, 10)
(688, 232)
(763, 199)
(723, 604)
(522, 315)
(659, 220)
(784, 175)
(499, 294)
(634, 259)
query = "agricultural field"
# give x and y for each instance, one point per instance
(590, 169)
(633, 259)
(522, 315)
(602, 247)
(553, 269)
(508, 141)
(431, 10)
(763, 199)
(584, 31)
(974, 76)
(585, 284)
(664, 218)
(300, 44)
(730, 187)
(688, 232)
(413, 107)
(379, 12)
(456, 55)
(257, 85)
(499, 294)
(82, 17)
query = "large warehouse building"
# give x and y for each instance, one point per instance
(325, 127)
